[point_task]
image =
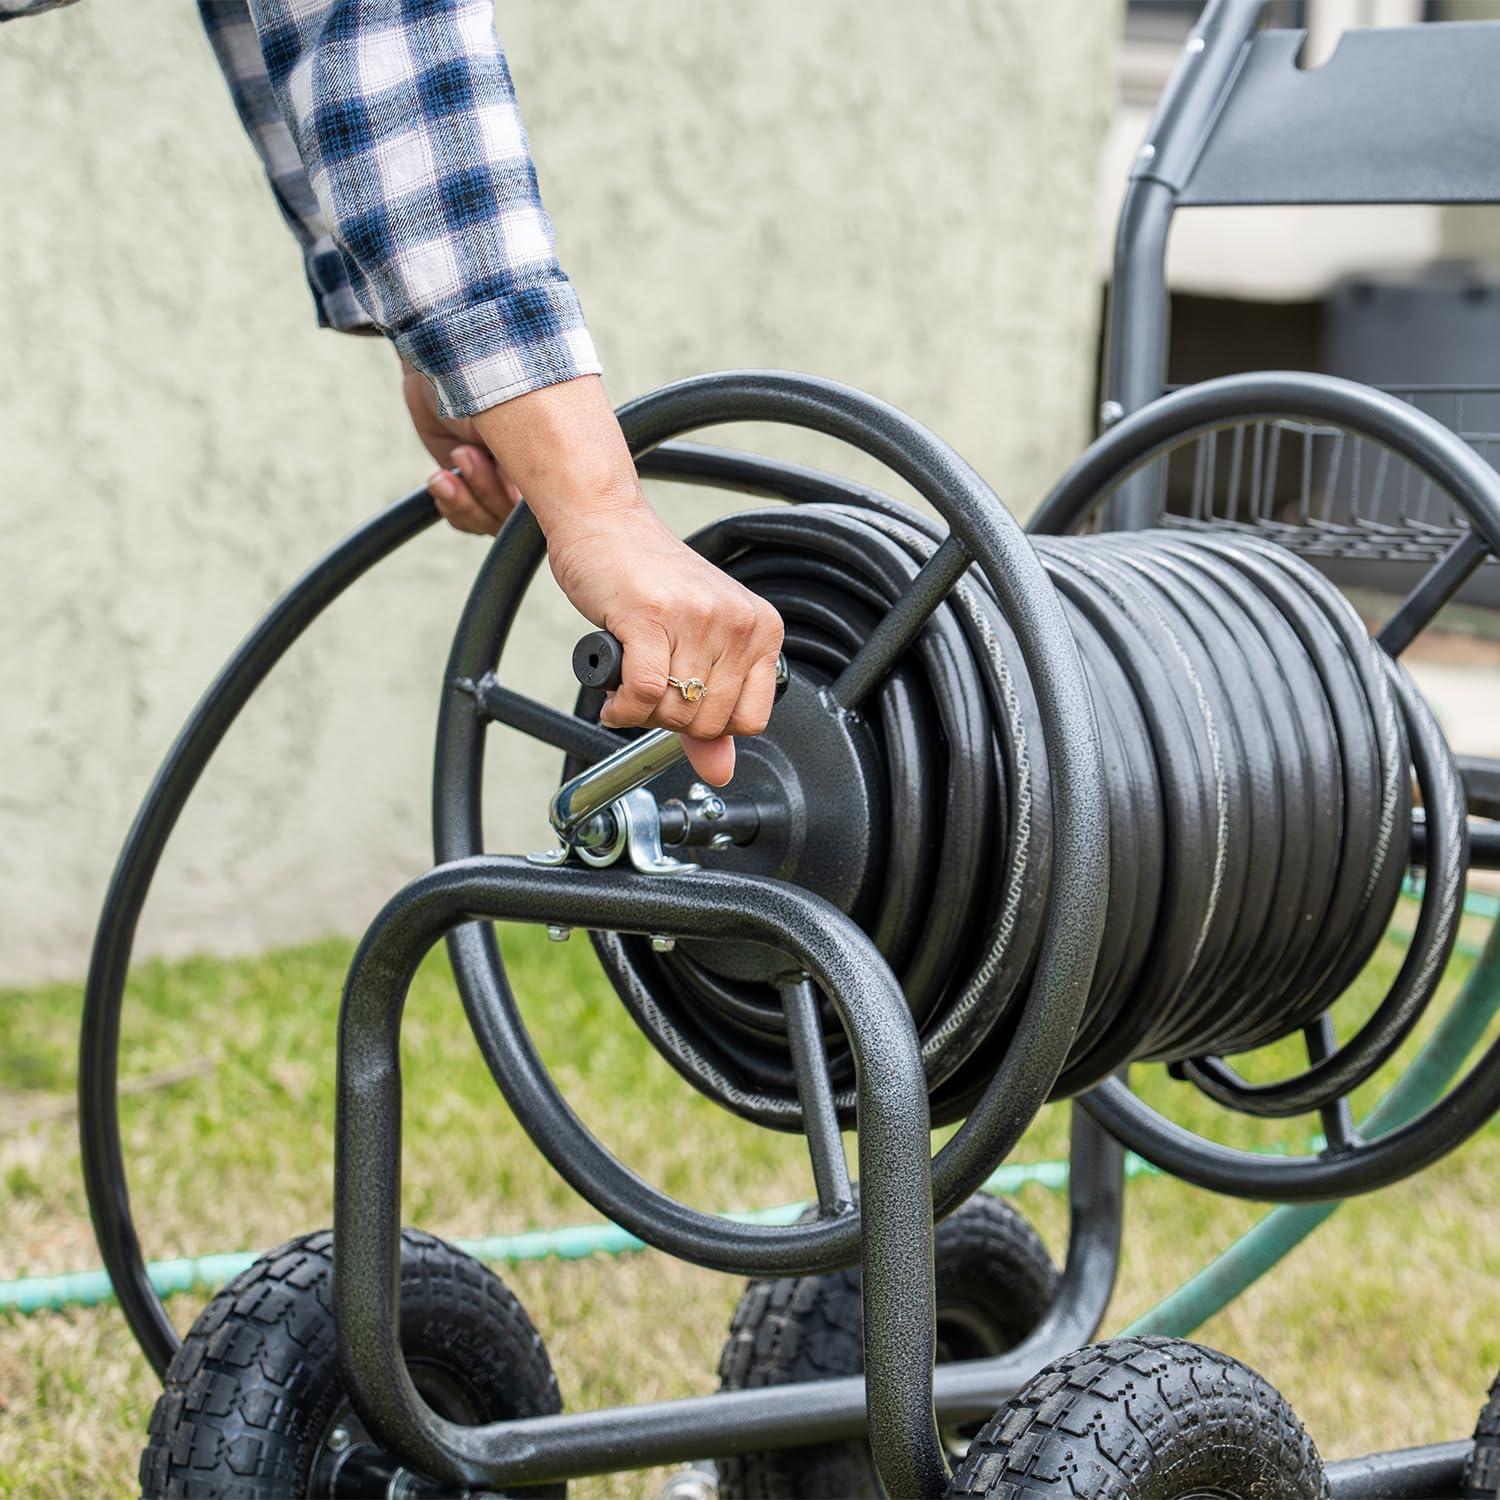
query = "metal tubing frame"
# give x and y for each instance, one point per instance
(1138, 321)
(895, 1170)
(99, 1041)
(1434, 1472)
(893, 1402)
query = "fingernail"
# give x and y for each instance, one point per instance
(441, 485)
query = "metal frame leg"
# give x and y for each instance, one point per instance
(895, 1169)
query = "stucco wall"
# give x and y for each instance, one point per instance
(898, 196)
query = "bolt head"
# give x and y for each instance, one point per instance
(699, 790)
(721, 841)
(661, 943)
(338, 1439)
(558, 934)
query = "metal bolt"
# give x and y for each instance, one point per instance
(1110, 412)
(698, 791)
(713, 808)
(721, 841)
(1147, 151)
(690, 1484)
(1195, 45)
(557, 934)
(338, 1439)
(661, 943)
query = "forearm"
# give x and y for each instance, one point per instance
(565, 453)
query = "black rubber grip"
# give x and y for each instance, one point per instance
(597, 660)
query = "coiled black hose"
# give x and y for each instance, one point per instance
(1260, 759)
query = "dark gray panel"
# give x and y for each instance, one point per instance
(1403, 114)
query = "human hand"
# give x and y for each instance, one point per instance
(479, 497)
(672, 611)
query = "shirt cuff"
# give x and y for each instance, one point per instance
(328, 276)
(494, 351)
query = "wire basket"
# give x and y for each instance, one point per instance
(1328, 493)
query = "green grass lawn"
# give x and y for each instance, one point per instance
(1383, 1330)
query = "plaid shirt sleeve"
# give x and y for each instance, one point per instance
(403, 115)
(232, 36)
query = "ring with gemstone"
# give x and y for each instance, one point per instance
(691, 688)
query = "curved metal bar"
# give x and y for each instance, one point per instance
(1266, 395)
(746, 473)
(896, 1238)
(98, 1111)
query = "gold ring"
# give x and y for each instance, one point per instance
(691, 688)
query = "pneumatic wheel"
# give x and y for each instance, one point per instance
(254, 1406)
(995, 1279)
(1143, 1419)
(1482, 1472)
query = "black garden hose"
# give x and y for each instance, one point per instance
(1260, 750)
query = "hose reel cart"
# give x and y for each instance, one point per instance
(1030, 809)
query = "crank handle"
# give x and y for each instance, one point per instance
(597, 660)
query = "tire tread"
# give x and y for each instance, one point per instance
(256, 1381)
(1136, 1418)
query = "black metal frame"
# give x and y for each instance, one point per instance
(895, 1400)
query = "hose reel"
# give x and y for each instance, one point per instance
(1255, 815)
(985, 735)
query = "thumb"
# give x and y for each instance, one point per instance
(713, 760)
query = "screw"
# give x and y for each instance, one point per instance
(698, 791)
(1148, 151)
(721, 841)
(661, 943)
(557, 934)
(713, 808)
(338, 1439)
(1110, 412)
(690, 1484)
(1195, 45)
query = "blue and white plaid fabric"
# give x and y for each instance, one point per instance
(232, 35)
(405, 119)
(390, 133)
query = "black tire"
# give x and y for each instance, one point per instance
(254, 1406)
(1143, 1419)
(994, 1282)
(1482, 1472)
